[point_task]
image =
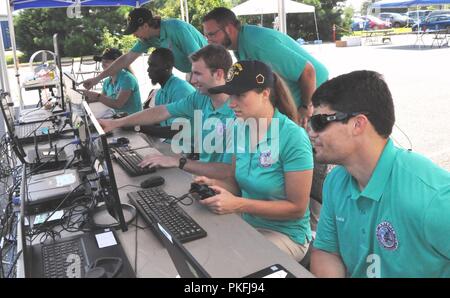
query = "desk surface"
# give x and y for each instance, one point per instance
(232, 248)
(39, 84)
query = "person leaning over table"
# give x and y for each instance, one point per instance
(385, 210)
(299, 69)
(181, 37)
(272, 169)
(209, 67)
(120, 91)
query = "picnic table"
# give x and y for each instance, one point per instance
(377, 36)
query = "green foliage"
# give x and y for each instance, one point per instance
(123, 42)
(197, 9)
(82, 36)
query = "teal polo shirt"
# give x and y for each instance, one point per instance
(281, 52)
(212, 125)
(124, 81)
(173, 90)
(260, 174)
(178, 36)
(397, 226)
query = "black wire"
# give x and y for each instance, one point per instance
(180, 199)
(129, 185)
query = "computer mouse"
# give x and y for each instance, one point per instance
(153, 181)
(122, 141)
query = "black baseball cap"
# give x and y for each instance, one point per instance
(137, 18)
(109, 54)
(244, 76)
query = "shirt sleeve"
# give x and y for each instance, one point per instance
(326, 236)
(127, 82)
(142, 47)
(182, 108)
(437, 222)
(291, 68)
(297, 155)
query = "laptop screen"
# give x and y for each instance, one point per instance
(98, 151)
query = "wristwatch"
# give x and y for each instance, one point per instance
(183, 161)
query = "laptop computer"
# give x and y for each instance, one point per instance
(30, 132)
(93, 254)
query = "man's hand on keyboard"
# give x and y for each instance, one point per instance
(108, 124)
(157, 160)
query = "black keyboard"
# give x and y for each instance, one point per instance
(156, 206)
(129, 160)
(57, 257)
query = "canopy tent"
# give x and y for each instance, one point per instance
(261, 7)
(23, 4)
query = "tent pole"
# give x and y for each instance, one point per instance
(187, 11)
(182, 10)
(315, 22)
(13, 44)
(282, 15)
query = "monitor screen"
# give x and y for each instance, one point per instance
(96, 145)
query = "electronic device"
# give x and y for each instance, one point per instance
(202, 191)
(153, 181)
(129, 161)
(47, 191)
(273, 271)
(156, 206)
(118, 142)
(97, 151)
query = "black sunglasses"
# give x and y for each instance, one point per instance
(320, 121)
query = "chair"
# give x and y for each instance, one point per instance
(87, 66)
(68, 62)
(319, 174)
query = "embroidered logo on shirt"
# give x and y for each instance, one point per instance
(265, 159)
(386, 236)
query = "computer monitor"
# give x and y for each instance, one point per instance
(61, 98)
(98, 153)
(7, 110)
(70, 93)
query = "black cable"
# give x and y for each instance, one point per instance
(129, 185)
(180, 199)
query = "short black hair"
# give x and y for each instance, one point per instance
(360, 91)
(223, 16)
(164, 55)
(215, 57)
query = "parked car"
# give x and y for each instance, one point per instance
(437, 12)
(422, 14)
(359, 24)
(376, 23)
(435, 22)
(397, 20)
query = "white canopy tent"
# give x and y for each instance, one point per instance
(282, 7)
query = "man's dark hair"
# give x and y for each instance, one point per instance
(223, 16)
(360, 91)
(215, 57)
(164, 55)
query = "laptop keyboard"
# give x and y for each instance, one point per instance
(129, 160)
(57, 257)
(155, 206)
(27, 130)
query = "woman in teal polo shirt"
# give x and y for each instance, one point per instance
(120, 91)
(272, 161)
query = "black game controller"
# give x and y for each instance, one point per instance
(202, 190)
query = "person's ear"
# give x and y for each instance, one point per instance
(359, 123)
(219, 73)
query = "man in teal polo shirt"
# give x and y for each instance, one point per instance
(209, 112)
(301, 71)
(160, 65)
(385, 210)
(178, 36)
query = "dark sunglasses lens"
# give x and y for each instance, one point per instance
(318, 122)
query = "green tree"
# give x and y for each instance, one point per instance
(82, 36)
(197, 9)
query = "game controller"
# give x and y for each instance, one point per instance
(202, 190)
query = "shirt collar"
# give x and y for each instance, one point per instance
(223, 109)
(382, 172)
(169, 81)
